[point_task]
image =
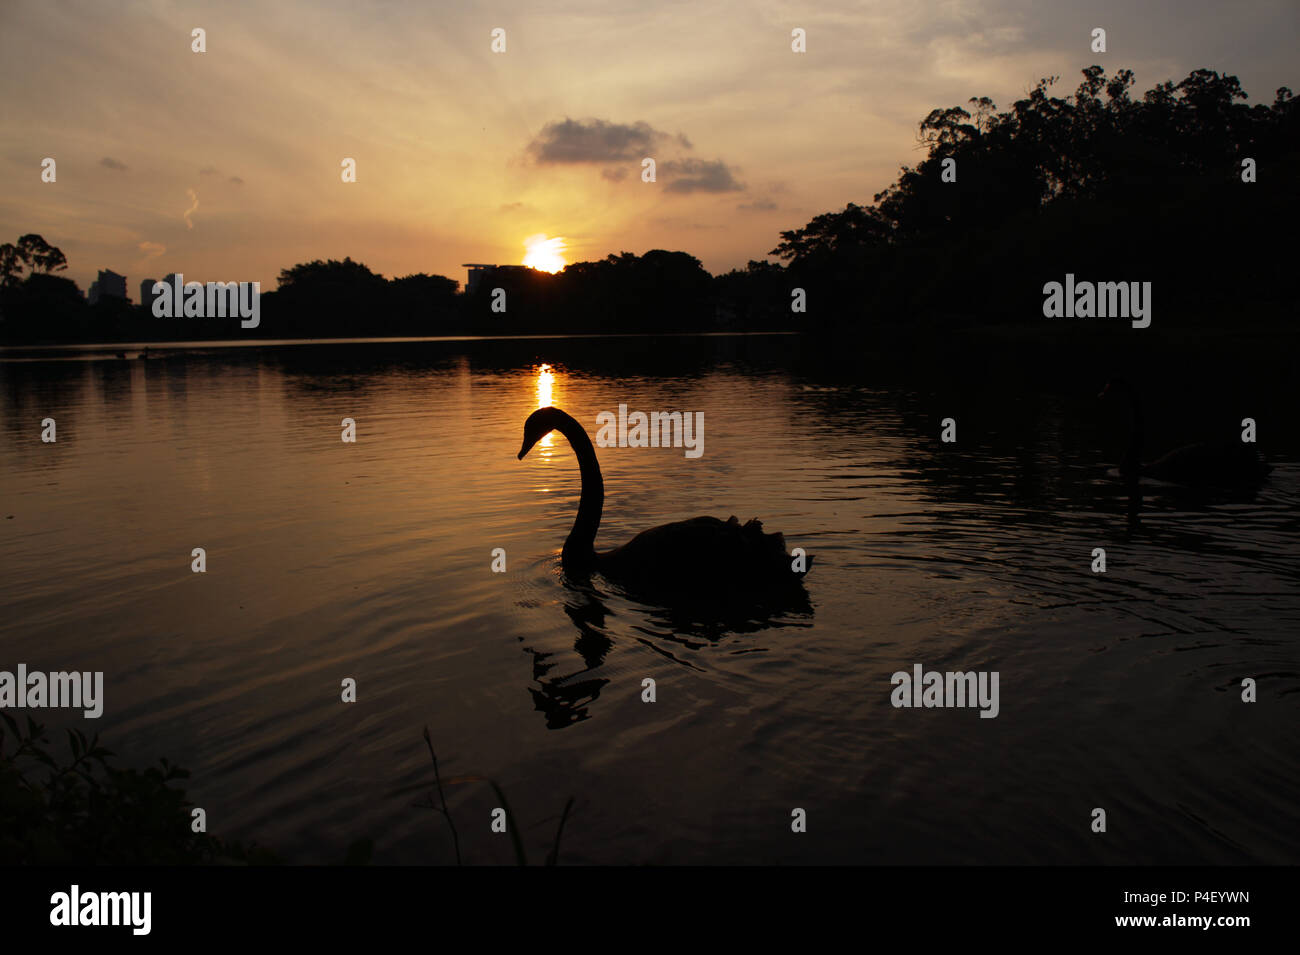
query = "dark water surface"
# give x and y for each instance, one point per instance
(372, 561)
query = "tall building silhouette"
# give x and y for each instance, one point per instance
(146, 294)
(108, 285)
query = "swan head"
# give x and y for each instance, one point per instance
(539, 424)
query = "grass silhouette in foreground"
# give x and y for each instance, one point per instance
(76, 808)
(521, 857)
(80, 810)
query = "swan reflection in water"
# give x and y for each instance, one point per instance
(565, 697)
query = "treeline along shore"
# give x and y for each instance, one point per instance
(1186, 188)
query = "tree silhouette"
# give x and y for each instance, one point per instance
(1092, 180)
(31, 252)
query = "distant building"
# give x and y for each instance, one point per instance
(146, 289)
(108, 285)
(146, 294)
(477, 272)
(480, 272)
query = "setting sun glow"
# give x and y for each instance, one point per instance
(544, 253)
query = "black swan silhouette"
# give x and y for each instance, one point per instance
(1195, 465)
(703, 557)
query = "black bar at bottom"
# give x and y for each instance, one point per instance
(592, 905)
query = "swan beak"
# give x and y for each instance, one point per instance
(525, 449)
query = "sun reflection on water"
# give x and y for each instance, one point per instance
(545, 385)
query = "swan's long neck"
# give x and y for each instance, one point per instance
(1133, 459)
(580, 547)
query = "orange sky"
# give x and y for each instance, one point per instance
(463, 153)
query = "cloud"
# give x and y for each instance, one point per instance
(699, 175)
(109, 163)
(601, 141)
(598, 140)
(151, 250)
(236, 180)
(194, 197)
(512, 207)
(758, 205)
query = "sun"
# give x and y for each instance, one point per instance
(544, 254)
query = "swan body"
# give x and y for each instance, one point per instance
(1206, 463)
(700, 557)
(1200, 464)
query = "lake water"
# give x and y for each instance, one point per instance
(372, 561)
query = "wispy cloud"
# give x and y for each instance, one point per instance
(194, 198)
(151, 250)
(108, 162)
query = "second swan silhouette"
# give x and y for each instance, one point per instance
(1205, 464)
(703, 558)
